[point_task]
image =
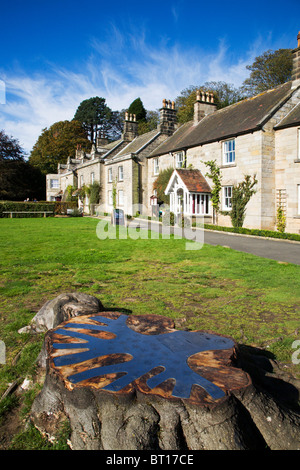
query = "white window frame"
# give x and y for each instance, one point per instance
(54, 183)
(298, 188)
(227, 197)
(81, 181)
(121, 197)
(179, 159)
(228, 149)
(298, 144)
(110, 198)
(155, 166)
(92, 177)
(109, 175)
(120, 173)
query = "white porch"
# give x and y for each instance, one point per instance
(186, 197)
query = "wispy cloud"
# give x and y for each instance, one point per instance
(120, 69)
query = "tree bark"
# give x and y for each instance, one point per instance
(235, 414)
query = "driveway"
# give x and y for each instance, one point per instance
(279, 250)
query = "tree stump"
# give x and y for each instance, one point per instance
(137, 383)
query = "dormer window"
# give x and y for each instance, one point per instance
(229, 152)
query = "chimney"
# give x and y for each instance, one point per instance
(130, 130)
(296, 61)
(102, 139)
(168, 119)
(204, 105)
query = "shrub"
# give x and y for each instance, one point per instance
(14, 206)
(248, 231)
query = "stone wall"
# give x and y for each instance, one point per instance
(287, 175)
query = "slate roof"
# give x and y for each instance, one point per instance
(138, 143)
(243, 117)
(194, 180)
(292, 119)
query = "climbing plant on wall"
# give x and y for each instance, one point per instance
(215, 175)
(241, 195)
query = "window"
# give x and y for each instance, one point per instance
(298, 199)
(120, 171)
(200, 203)
(110, 198)
(155, 166)
(110, 175)
(121, 197)
(227, 195)
(54, 184)
(229, 152)
(179, 160)
(92, 177)
(298, 156)
(81, 181)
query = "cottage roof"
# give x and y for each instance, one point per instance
(138, 143)
(243, 117)
(193, 180)
(292, 119)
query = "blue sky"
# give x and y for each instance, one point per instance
(54, 54)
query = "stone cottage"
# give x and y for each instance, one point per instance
(257, 136)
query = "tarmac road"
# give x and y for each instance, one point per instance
(279, 250)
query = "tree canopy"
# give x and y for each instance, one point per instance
(97, 118)
(56, 144)
(18, 179)
(138, 109)
(269, 70)
(224, 95)
(10, 149)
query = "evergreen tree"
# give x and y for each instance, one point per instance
(138, 109)
(96, 117)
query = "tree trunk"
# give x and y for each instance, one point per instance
(136, 383)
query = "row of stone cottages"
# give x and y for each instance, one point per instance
(257, 136)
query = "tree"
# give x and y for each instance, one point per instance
(56, 144)
(10, 149)
(241, 195)
(96, 118)
(138, 109)
(18, 179)
(269, 70)
(224, 95)
(150, 123)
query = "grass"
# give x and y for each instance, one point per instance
(254, 300)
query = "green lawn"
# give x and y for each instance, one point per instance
(254, 300)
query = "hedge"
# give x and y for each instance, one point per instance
(248, 231)
(55, 207)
